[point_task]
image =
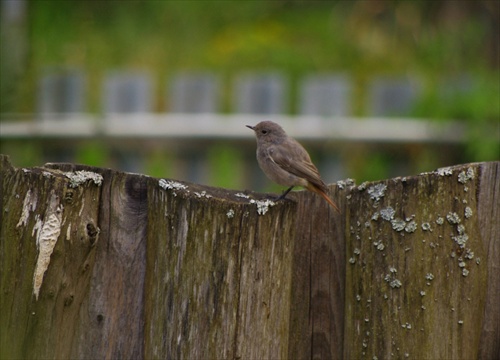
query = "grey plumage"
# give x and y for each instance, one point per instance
(285, 161)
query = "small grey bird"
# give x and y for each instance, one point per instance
(286, 162)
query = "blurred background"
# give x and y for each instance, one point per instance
(373, 89)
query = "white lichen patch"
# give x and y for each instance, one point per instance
(468, 212)
(342, 184)
(464, 177)
(426, 226)
(230, 214)
(379, 245)
(363, 185)
(453, 218)
(80, 177)
(406, 326)
(241, 195)
(440, 220)
(387, 213)
(262, 206)
(446, 171)
(202, 194)
(396, 283)
(48, 233)
(29, 205)
(392, 280)
(377, 191)
(398, 224)
(172, 185)
(411, 227)
(461, 240)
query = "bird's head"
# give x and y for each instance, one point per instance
(268, 131)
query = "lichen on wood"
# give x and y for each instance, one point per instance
(416, 286)
(96, 263)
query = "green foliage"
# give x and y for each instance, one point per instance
(227, 166)
(372, 167)
(361, 38)
(474, 101)
(22, 153)
(159, 164)
(94, 153)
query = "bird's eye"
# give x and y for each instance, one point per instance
(264, 132)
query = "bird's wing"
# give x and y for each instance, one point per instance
(292, 157)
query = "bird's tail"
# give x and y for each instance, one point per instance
(322, 192)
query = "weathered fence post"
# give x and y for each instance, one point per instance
(97, 263)
(101, 264)
(422, 276)
(218, 284)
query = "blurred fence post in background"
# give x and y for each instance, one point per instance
(391, 96)
(260, 93)
(127, 94)
(326, 95)
(62, 93)
(194, 93)
(61, 96)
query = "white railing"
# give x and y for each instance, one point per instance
(217, 126)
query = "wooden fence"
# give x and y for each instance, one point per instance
(102, 264)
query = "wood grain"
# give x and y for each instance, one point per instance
(417, 280)
(151, 268)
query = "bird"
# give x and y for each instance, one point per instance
(285, 161)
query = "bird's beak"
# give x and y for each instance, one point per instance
(250, 127)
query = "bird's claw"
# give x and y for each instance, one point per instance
(283, 196)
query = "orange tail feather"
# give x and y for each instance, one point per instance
(327, 198)
(324, 195)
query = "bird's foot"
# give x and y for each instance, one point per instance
(283, 196)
